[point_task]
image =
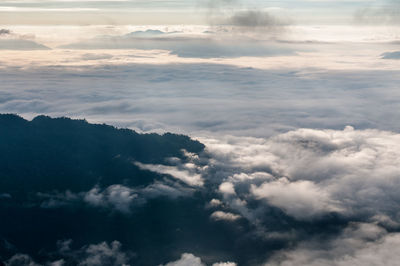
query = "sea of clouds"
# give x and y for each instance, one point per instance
(307, 156)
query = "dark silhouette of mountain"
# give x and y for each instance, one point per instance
(52, 154)
(391, 55)
(149, 33)
(69, 181)
(49, 156)
(20, 44)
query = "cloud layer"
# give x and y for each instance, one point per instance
(311, 173)
(204, 98)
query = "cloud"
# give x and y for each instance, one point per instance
(21, 259)
(104, 254)
(259, 196)
(25, 260)
(301, 199)
(359, 244)
(188, 259)
(227, 188)
(96, 56)
(64, 246)
(58, 199)
(312, 173)
(256, 19)
(116, 196)
(385, 13)
(221, 216)
(247, 102)
(238, 17)
(184, 175)
(297, 186)
(214, 203)
(60, 262)
(159, 189)
(225, 264)
(185, 45)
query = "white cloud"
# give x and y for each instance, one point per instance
(252, 176)
(227, 188)
(21, 259)
(104, 254)
(192, 179)
(188, 101)
(188, 259)
(60, 262)
(41, 9)
(358, 245)
(117, 197)
(301, 199)
(315, 172)
(93, 56)
(227, 216)
(215, 203)
(170, 190)
(188, 45)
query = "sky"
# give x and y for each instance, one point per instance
(141, 12)
(296, 103)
